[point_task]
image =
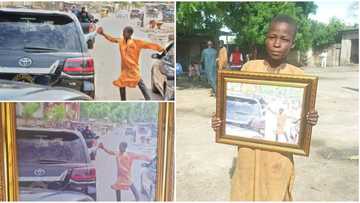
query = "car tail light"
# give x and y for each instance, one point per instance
(83, 174)
(83, 65)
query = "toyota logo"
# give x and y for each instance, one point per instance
(25, 62)
(39, 172)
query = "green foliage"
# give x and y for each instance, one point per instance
(248, 20)
(56, 113)
(198, 18)
(116, 112)
(326, 35)
(29, 109)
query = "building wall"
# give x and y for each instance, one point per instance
(347, 52)
(190, 49)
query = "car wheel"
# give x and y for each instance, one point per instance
(153, 86)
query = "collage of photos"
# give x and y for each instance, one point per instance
(187, 101)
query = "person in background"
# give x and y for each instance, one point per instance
(222, 59)
(194, 70)
(208, 60)
(236, 57)
(323, 58)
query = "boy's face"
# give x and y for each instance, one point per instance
(279, 40)
(127, 34)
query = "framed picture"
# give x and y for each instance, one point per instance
(265, 111)
(86, 151)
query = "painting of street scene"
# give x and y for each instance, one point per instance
(263, 112)
(87, 151)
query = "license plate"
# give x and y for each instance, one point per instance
(88, 86)
(23, 78)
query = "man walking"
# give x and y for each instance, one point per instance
(208, 59)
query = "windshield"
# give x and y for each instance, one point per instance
(39, 32)
(47, 148)
(241, 108)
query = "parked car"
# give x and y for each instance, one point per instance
(163, 73)
(136, 13)
(45, 47)
(55, 159)
(37, 194)
(20, 91)
(245, 112)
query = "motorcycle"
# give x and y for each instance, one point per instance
(148, 179)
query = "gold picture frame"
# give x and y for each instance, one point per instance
(9, 189)
(248, 94)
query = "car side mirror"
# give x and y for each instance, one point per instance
(155, 56)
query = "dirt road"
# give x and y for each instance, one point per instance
(330, 173)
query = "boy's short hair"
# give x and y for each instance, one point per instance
(129, 29)
(123, 144)
(285, 19)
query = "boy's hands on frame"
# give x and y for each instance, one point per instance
(312, 117)
(216, 122)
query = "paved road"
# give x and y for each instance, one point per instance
(106, 166)
(107, 61)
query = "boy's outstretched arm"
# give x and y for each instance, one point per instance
(110, 152)
(149, 45)
(100, 31)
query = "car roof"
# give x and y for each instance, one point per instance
(49, 130)
(37, 11)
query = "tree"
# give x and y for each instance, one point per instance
(253, 18)
(194, 18)
(135, 112)
(56, 114)
(29, 109)
(326, 35)
(248, 20)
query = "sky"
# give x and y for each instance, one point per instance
(330, 8)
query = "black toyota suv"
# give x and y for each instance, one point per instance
(45, 47)
(55, 159)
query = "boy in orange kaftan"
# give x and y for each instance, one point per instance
(124, 161)
(130, 52)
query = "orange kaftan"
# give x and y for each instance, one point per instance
(130, 52)
(124, 164)
(262, 175)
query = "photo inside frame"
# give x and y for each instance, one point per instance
(263, 112)
(87, 151)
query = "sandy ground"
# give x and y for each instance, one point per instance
(329, 174)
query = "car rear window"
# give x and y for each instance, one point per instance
(21, 30)
(50, 147)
